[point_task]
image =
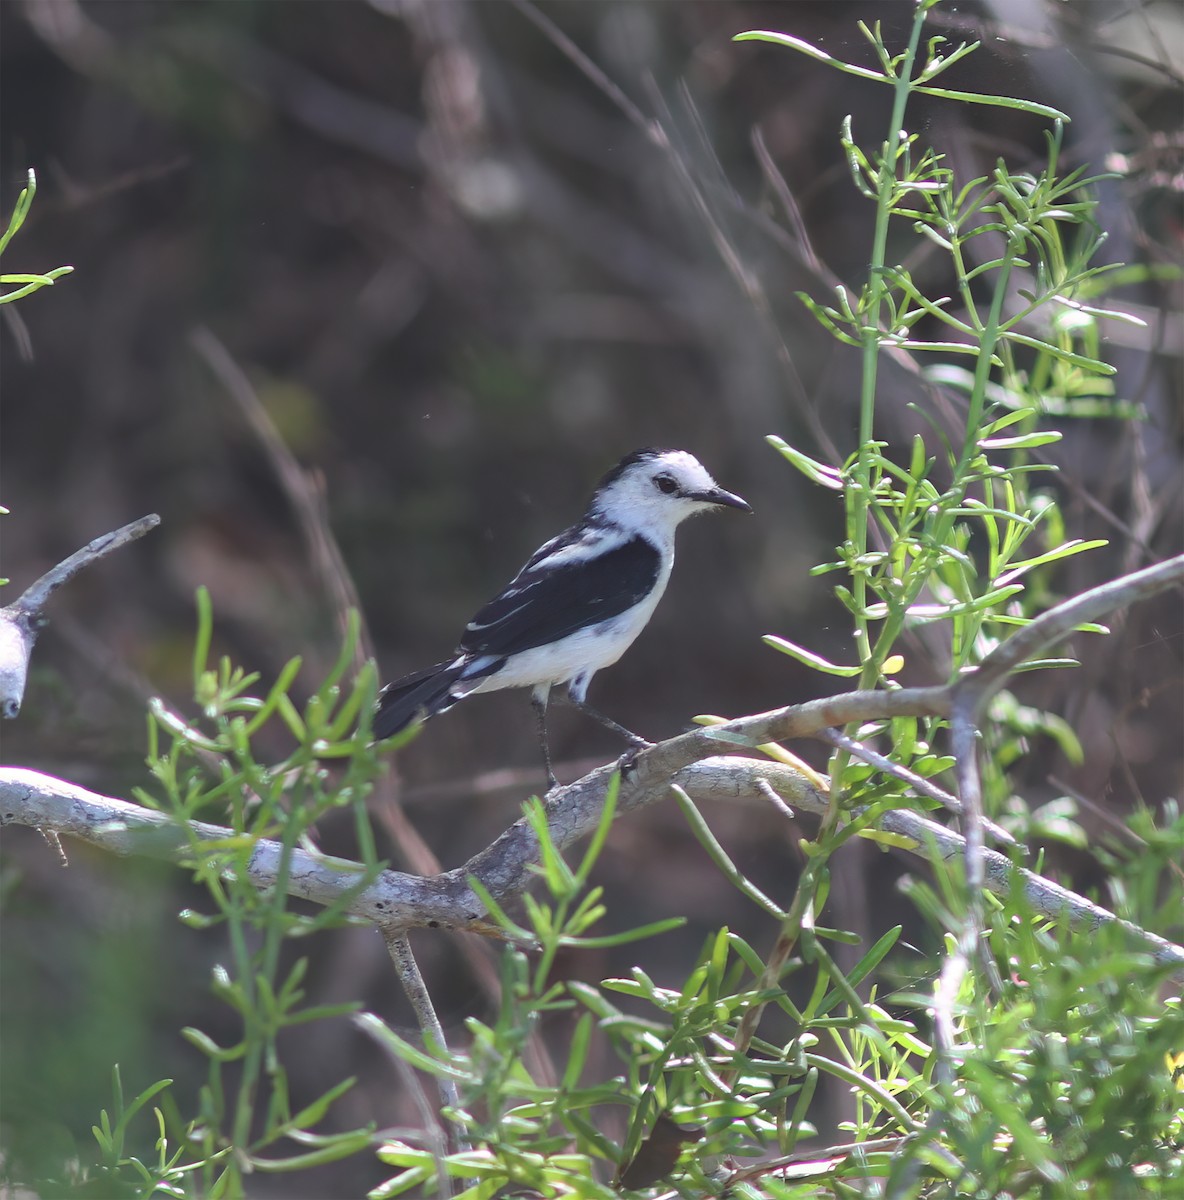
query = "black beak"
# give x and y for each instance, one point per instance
(722, 499)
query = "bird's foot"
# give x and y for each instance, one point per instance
(627, 763)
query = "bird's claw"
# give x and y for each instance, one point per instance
(627, 763)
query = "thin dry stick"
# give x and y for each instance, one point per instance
(23, 619)
(307, 501)
(793, 213)
(410, 976)
(970, 695)
(1057, 623)
(826, 1160)
(919, 784)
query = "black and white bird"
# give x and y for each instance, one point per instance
(578, 603)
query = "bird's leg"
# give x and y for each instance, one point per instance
(638, 743)
(538, 698)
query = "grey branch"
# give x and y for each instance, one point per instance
(399, 947)
(22, 620)
(1057, 623)
(400, 901)
(970, 694)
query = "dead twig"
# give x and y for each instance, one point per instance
(23, 619)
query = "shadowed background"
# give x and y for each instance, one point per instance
(462, 278)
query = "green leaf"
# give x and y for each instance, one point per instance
(205, 631)
(600, 836)
(340, 1147)
(719, 856)
(392, 1042)
(815, 471)
(209, 1047)
(1027, 106)
(278, 691)
(1093, 365)
(867, 964)
(1075, 546)
(577, 1054)
(592, 999)
(404, 1182)
(811, 51)
(809, 657)
(1024, 441)
(314, 1112)
(625, 936)
(561, 882)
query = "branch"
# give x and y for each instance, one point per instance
(399, 947)
(400, 901)
(22, 620)
(1057, 623)
(969, 696)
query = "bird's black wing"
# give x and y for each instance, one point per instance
(556, 594)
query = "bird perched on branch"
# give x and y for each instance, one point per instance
(578, 603)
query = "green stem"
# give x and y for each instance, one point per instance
(872, 335)
(954, 497)
(859, 500)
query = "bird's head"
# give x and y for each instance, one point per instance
(657, 489)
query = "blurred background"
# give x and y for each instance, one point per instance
(458, 258)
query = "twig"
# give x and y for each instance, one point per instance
(925, 787)
(781, 189)
(23, 619)
(306, 499)
(765, 788)
(825, 1159)
(308, 504)
(970, 694)
(1057, 623)
(416, 990)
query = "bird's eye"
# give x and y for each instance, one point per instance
(666, 484)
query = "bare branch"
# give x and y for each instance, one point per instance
(919, 784)
(397, 901)
(970, 694)
(1057, 623)
(22, 620)
(399, 947)
(400, 901)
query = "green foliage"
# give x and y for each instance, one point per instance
(208, 771)
(28, 283)
(1065, 1083)
(685, 1064)
(959, 534)
(1066, 1079)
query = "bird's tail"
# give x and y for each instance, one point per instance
(422, 695)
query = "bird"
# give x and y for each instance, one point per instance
(576, 606)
